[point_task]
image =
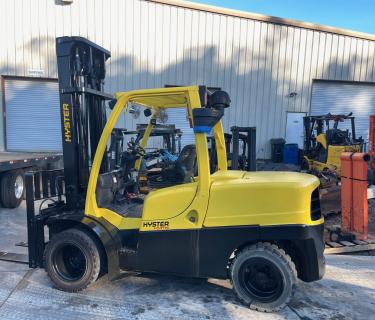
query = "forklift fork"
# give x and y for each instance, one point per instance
(40, 186)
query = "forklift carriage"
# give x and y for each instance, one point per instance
(262, 230)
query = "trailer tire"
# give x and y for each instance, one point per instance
(72, 260)
(12, 188)
(264, 277)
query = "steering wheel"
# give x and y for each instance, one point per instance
(341, 135)
(140, 151)
(135, 148)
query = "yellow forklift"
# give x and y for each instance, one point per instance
(325, 142)
(261, 230)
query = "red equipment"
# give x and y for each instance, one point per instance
(354, 205)
(371, 148)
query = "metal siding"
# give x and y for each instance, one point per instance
(153, 44)
(246, 114)
(280, 73)
(345, 72)
(343, 98)
(2, 142)
(370, 65)
(309, 58)
(300, 70)
(32, 115)
(178, 117)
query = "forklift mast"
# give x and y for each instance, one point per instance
(81, 73)
(308, 125)
(244, 159)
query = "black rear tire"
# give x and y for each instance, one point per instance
(12, 188)
(72, 260)
(263, 277)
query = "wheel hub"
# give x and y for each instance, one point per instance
(18, 187)
(261, 279)
(69, 262)
(264, 281)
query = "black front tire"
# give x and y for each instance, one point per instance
(263, 277)
(72, 260)
(12, 188)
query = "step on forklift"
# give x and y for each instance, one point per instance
(243, 226)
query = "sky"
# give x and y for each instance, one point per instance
(357, 15)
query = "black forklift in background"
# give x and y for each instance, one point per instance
(156, 163)
(241, 149)
(168, 147)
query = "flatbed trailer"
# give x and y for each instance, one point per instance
(13, 166)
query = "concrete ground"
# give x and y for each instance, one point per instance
(346, 292)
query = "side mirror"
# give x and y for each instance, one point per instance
(147, 112)
(219, 100)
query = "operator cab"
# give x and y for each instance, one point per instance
(117, 189)
(120, 189)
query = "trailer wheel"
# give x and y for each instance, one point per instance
(72, 260)
(12, 188)
(264, 277)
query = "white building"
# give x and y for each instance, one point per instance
(273, 68)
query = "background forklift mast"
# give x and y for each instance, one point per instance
(241, 149)
(81, 69)
(246, 160)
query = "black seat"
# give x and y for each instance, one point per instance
(180, 171)
(185, 164)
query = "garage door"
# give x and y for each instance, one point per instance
(178, 117)
(32, 115)
(343, 98)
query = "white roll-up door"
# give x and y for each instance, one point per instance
(343, 98)
(32, 115)
(178, 117)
